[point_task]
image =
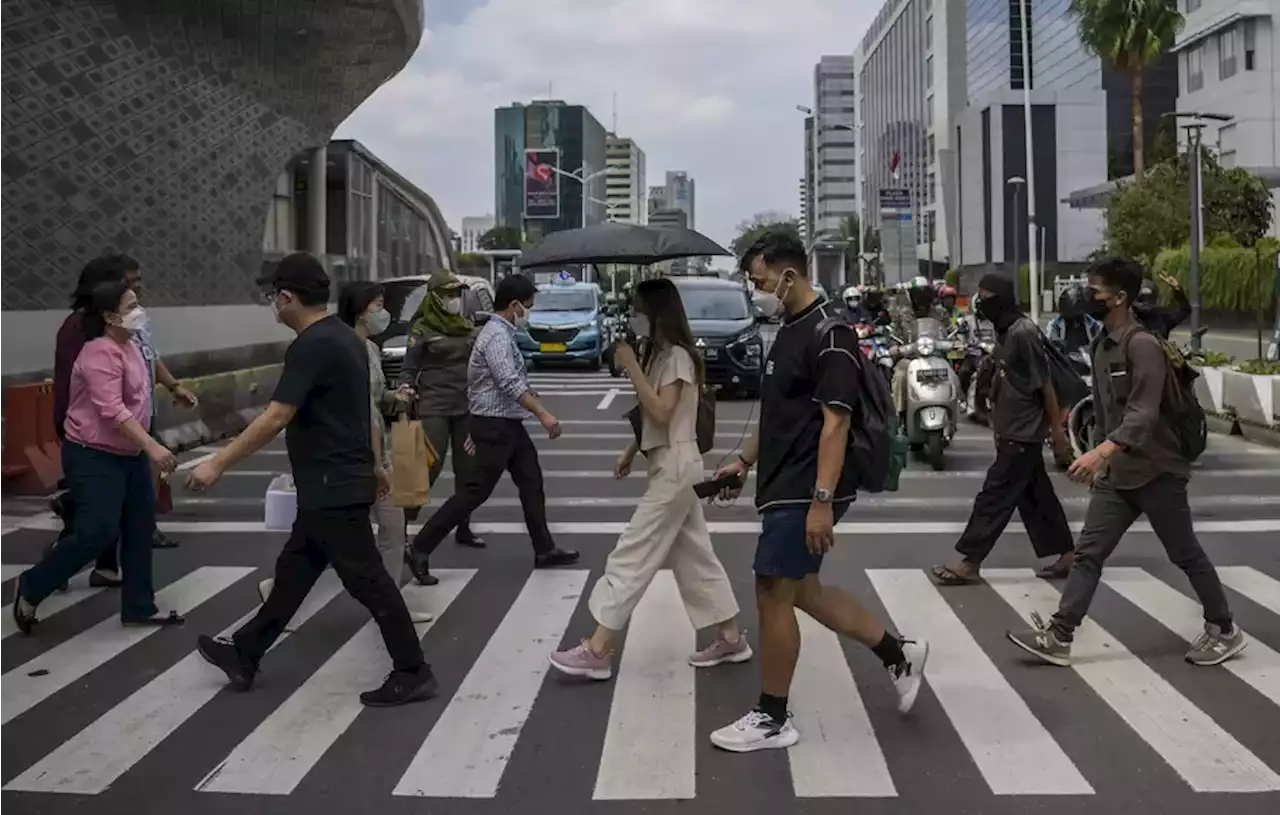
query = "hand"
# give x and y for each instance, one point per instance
(819, 528)
(405, 393)
(622, 467)
(551, 423)
(1171, 281)
(1061, 445)
(1088, 467)
(162, 457)
(469, 446)
(384, 481)
(624, 355)
(739, 468)
(182, 396)
(204, 476)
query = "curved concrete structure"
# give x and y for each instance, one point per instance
(159, 128)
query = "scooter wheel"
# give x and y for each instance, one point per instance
(933, 451)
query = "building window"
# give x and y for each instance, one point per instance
(1195, 71)
(929, 142)
(1250, 44)
(933, 187)
(928, 111)
(1227, 53)
(928, 32)
(928, 71)
(1193, 5)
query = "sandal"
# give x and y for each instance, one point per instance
(1053, 572)
(160, 618)
(946, 576)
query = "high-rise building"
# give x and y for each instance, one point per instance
(626, 191)
(664, 217)
(473, 228)
(835, 109)
(570, 135)
(657, 199)
(678, 193)
(806, 184)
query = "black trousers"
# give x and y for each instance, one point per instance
(1017, 480)
(342, 538)
(502, 445)
(1111, 513)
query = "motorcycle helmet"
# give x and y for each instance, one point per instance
(1148, 296)
(1071, 303)
(918, 282)
(852, 295)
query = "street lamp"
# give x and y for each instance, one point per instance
(1198, 121)
(584, 180)
(1016, 183)
(1033, 263)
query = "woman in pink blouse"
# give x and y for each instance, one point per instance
(106, 457)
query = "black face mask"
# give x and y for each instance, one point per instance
(993, 307)
(1093, 305)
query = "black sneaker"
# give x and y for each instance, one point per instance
(223, 655)
(419, 567)
(470, 539)
(556, 557)
(402, 687)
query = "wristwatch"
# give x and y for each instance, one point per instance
(822, 496)
(743, 459)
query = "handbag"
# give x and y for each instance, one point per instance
(412, 458)
(704, 424)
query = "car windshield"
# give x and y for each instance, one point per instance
(564, 300)
(715, 304)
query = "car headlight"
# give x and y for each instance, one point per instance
(924, 346)
(394, 352)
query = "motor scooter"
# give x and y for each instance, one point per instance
(933, 391)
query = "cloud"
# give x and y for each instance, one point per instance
(706, 86)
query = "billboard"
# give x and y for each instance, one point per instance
(541, 183)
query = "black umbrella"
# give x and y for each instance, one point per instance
(618, 243)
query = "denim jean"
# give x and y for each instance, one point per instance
(115, 500)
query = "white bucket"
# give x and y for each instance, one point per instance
(281, 504)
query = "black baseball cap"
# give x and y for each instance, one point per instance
(300, 272)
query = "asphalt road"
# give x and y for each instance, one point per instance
(96, 719)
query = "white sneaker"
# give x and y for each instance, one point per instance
(265, 587)
(755, 731)
(907, 676)
(420, 617)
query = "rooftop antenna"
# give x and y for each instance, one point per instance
(615, 113)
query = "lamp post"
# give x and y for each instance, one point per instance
(584, 178)
(1194, 128)
(1033, 263)
(1016, 183)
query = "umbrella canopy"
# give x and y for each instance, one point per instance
(618, 243)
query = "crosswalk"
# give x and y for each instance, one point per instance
(650, 744)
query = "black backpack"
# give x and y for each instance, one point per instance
(1178, 403)
(877, 451)
(1068, 384)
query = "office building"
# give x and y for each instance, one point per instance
(806, 184)
(625, 181)
(677, 193)
(570, 145)
(911, 72)
(149, 129)
(473, 228)
(664, 217)
(804, 207)
(833, 134)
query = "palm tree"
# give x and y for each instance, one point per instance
(1130, 35)
(851, 237)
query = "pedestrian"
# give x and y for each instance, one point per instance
(107, 455)
(1138, 469)
(1158, 319)
(334, 446)
(803, 488)
(361, 306)
(668, 528)
(433, 380)
(1024, 411)
(499, 400)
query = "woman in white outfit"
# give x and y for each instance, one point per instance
(361, 306)
(668, 528)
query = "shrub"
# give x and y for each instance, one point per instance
(1215, 359)
(1260, 367)
(1231, 278)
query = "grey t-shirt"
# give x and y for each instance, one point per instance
(1022, 372)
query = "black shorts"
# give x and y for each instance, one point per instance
(781, 550)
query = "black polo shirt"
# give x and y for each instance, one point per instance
(326, 377)
(803, 373)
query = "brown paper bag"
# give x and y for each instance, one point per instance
(412, 457)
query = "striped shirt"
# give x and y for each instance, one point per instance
(496, 377)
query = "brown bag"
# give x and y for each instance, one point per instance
(412, 457)
(164, 496)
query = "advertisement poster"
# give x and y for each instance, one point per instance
(541, 183)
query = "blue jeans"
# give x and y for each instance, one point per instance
(114, 500)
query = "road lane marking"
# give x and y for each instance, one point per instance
(608, 399)
(58, 601)
(92, 760)
(1014, 752)
(467, 750)
(12, 570)
(1207, 757)
(838, 755)
(30, 684)
(1258, 587)
(278, 754)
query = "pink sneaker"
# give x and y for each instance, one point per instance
(722, 651)
(580, 661)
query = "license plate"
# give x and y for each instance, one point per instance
(711, 353)
(553, 348)
(933, 415)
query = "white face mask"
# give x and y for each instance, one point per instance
(377, 321)
(276, 307)
(640, 325)
(522, 318)
(452, 305)
(134, 321)
(770, 302)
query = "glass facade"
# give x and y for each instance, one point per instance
(987, 46)
(1058, 58)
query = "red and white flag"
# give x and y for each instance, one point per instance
(893, 164)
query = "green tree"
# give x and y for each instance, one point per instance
(851, 235)
(1130, 35)
(501, 237)
(472, 260)
(1148, 216)
(760, 223)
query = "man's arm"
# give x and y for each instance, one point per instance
(509, 377)
(1147, 368)
(260, 431)
(833, 443)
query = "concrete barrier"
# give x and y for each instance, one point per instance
(228, 402)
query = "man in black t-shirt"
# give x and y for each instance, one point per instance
(323, 399)
(808, 396)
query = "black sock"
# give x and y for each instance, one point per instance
(775, 707)
(889, 649)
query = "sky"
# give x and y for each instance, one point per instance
(705, 86)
